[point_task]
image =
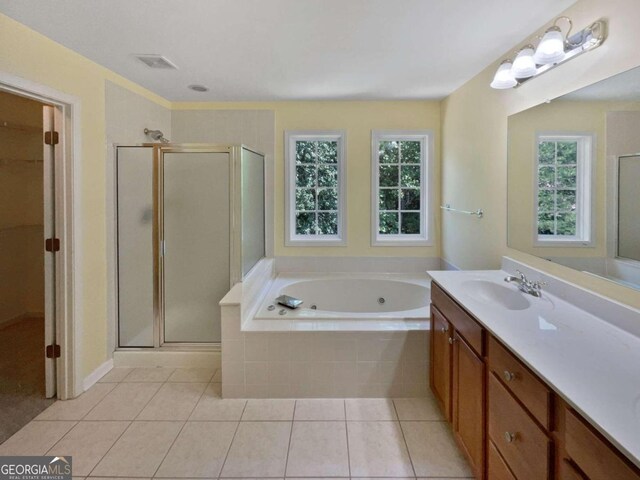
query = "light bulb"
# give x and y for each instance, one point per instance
(551, 48)
(524, 66)
(503, 77)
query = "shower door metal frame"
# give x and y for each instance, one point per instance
(158, 232)
(235, 233)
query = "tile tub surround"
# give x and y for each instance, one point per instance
(322, 364)
(271, 438)
(306, 364)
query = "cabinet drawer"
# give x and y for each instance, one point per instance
(466, 326)
(524, 446)
(524, 385)
(594, 457)
(497, 469)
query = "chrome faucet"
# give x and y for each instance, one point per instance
(525, 285)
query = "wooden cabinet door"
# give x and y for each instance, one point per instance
(440, 378)
(469, 403)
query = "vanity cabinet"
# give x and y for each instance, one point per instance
(440, 378)
(458, 374)
(587, 455)
(507, 421)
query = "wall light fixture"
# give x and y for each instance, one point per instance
(553, 49)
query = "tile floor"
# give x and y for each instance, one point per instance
(172, 423)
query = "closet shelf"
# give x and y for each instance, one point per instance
(19, 127)
(14, 161)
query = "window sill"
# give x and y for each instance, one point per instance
(564, 243)
(401, 242)
(316, 242)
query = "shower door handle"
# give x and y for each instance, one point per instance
(163, 248)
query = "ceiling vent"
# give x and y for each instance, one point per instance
(157, 61)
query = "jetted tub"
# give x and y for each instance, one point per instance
(344, 301)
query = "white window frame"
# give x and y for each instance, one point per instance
(290, 139)
(425, 237)
(585, 191)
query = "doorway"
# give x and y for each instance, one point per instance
(27, 271)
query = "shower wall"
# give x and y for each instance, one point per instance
(250, 127)
(21, 212)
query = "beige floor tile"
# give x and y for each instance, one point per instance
(319, 409)
(199, 451)
(378, 449)
(433, 450)
(374, 409)
(174, 401)
(268, 410)
(116, 375)
(77, 408)
(35, 438)
(124, 402)
(87, 443)
(418, 408)
(318, 449)
(139, 450)
(213, 408)
(197, 375)
(154, 374)
(258, 449)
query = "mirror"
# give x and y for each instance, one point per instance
(574, 179)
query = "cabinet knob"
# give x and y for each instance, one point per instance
(509, 437)
(450, 341)
(508, 376)
(444, 329)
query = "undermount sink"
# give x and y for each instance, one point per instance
(494, 294)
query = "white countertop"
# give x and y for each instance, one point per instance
(594, 365)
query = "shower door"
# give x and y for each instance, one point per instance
(195, 215)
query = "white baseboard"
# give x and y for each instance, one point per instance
(96, 375)
(179, 359)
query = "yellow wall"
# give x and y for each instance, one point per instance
(358, 119)
(27, 54)
(474, 143)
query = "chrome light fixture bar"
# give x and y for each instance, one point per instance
(553, 49)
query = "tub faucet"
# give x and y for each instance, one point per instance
(525, 285)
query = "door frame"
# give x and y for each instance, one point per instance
(68, 289)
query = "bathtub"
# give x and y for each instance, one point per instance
(345, 301)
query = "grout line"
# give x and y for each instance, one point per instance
(111, 447)
(404, 439)
(148, 402)
(232, 440)
(286, 462)
(346, 431)
(169, 449)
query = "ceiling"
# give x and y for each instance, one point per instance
(291, 49)
(624, 87)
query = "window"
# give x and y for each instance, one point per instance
(315, 193)
(400, 188)
(563, 189)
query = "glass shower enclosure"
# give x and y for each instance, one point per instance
(190, 224)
